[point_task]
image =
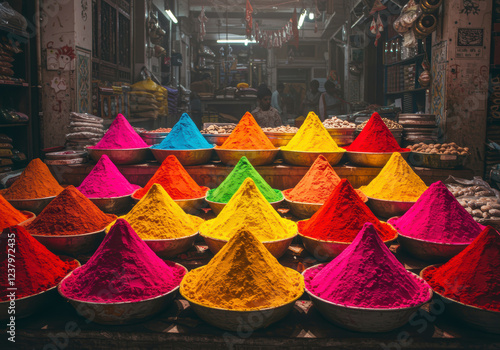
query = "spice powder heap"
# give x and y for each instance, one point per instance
(233, 181)
(249, 210)
(9, 216)
(312, 137)
(247, 135)
(317, 184)
(123, 268)
(120, 135)
(437, 217)
(105, 181)
(473, 276)
(37, 269)
(396, 182)
(172, 176)
(36, 181)
(70, 213)
(157, 216)
(342, 217)
(366, 274)
(376, 138)
(242, 276)
(183, 136)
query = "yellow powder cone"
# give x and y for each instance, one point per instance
(157, 216)
(248, 209)
(312, 137)
(242, 276)
(396, 182)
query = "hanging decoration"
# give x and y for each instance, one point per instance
(377, 6)
(249, 19)
(203, 20)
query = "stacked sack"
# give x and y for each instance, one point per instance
(173, 95)
(7, 52)
(143, 99)
(5, 153)
(162, 97)
(84, 130)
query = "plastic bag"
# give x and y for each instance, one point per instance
(409, 14)
(12, 18)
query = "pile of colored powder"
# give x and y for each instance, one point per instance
(247, 135)
(157, 216)
(36, 181)
(438, 217)
(376, 138)
(317, 184)
(473, 276)
(249, 210)
(233, 181)
(37, 269)
(312, 137)
(184, 135)
(396, 182)
(105, 181)
(9, 215)
(342, 217)
(70, 213)
(123, 268)
(172, 176)
(366, 274)
(244, 276)
(121, 135)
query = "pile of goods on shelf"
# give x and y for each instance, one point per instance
(215, 129)
(282, 129)
(9, 115)
(84, 130)
(443, 148)
(148, 99)
(334, 123)
(8, 50)
(5, 153)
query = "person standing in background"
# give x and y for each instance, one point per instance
(330, 103)
(311, 100)
(264, 114)
(277, 98)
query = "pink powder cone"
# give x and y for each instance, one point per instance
(120, 135)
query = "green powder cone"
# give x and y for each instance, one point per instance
(233, 181)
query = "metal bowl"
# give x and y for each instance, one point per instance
(255, 157)
(190, 206)
(185, 157)
(153, 138)
(113, 205)
(429, 251)
(217, 139)
(342, 136)
(122, 312)
(217, 207)
(121, 156)
(276, 248)
(327, 250)
(234, 320)
(71, 244)
(32, 205)
(170, 248)
(31, 216)
(31, 304)
(307, 158)
(388, 209)
(481, 319)
(364, 319)
(279, 139)
(376, 160)
(437, 161)
(303, 210)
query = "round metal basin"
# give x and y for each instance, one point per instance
(71, 244)
(375, 160)
(307, 158)
(170, 248)
(388, 209)
(121, 156)
(217, 139)
(279, 139)
(437, 161)
(255, 157)
(122, 312)
(342, 136)
(32, 205)
(190, 206)
(113, 205)
(153, 138)
(363, 319)
(217, 207)
(185, 157)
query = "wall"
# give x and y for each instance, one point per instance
(462, 52)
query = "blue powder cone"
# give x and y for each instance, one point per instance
(184, 136)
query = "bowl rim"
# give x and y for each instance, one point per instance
(275, 189)
(431, 291)
(263, 242)
(30, 199)
(348, 129)
(272, 133)
(170, 239)
(453, 300)
(320, 204)
(28, 213)
(248, 150)
(112, 198)
(380, 153)
(180, 150)
(91, 148)
(345, 243)
(51, 288)
(253, 310)
(315, 152)
(175, 200)
(68, 236)
(120, 302)
(216, 135)
(386, 200)
(442, 154)
(150, 133)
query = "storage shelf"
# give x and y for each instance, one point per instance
(14, 31)
(408, 60)
(13, 125)
(406, 91)
(9, 83)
